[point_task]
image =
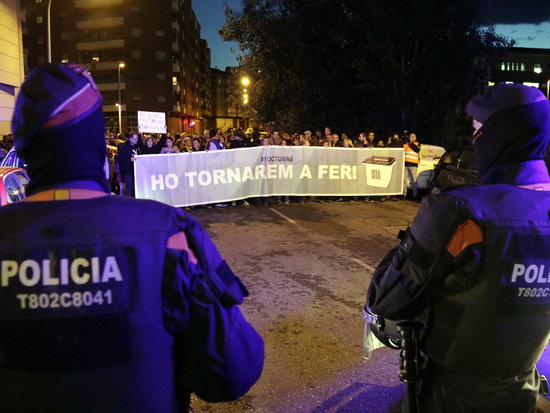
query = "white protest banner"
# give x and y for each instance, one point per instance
(219, 176)
(151, 122)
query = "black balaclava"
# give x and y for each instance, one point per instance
(516, 126)
(59, 128)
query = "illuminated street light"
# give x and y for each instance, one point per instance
(119, 104)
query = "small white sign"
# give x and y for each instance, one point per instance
(151, 122)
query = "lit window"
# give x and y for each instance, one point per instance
(523, 67)
(538, 68)
(503, 66)
(532, 84)
(174, 81)
(39, 19)
(160, 33)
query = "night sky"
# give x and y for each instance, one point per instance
(526, 21)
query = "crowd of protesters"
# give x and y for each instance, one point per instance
(214, 139)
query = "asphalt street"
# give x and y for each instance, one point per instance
(307, 267)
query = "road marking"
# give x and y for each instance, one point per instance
(363, 264)
(285, 217)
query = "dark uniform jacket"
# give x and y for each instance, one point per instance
(475, 266)
(104, 309)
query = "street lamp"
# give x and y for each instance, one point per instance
(49, 32)
(119, 104)
(245, 81)
(119, 116)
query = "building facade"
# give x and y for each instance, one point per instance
(11, 60)
(229, 109)
(525, 65)
(144, 55)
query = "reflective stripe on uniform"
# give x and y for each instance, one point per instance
(410, 155)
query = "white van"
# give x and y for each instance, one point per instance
(429, 157)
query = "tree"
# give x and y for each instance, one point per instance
(377, 64)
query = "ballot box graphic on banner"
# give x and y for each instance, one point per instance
(379, 170)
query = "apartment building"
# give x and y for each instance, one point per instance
(11, 60)
(229, 109)
(144, 55)
(526, 65)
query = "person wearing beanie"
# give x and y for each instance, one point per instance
(107, 303)
(472, 270)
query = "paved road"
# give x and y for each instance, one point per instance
(307, 267)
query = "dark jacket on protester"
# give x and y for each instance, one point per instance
(124, 157)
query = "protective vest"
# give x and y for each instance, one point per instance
(410, 155)
(498, 325)
(81, 309)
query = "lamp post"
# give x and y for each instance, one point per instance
(119, 107)
(119, 104)
(49, 32)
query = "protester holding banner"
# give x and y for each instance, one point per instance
(169, 146)
(126, 158)
(214, 144)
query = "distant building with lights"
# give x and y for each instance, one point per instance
(166, 63)
(525, 65)
(228, 109)
(11, 60)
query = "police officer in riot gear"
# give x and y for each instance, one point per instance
(475, 266)
(107, 304)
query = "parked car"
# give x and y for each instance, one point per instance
(12, 184)
(455, 168)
